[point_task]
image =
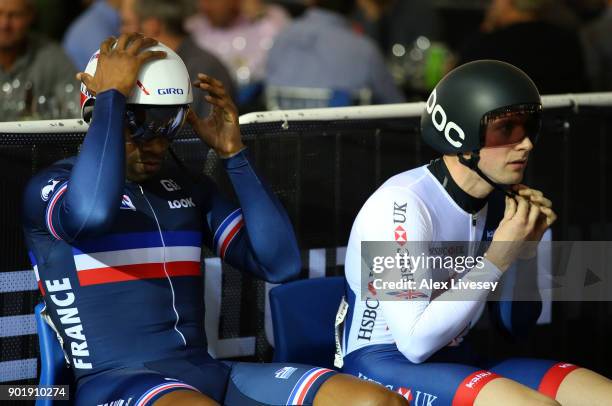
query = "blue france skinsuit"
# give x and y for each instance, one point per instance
(415, 347)
(118, 264)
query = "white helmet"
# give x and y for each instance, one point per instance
(160, 82)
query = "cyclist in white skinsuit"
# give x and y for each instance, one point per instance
(484, 118)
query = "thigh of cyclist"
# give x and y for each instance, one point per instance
(429, 383)
(274, 384)
(133, 386)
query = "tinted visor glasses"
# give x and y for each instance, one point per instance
(510, 126)
(147, 122)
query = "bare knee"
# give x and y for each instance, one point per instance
(506, 392)
(184, 398)
(343, 389)
(373, 394)
(384, 397)
(538, 399)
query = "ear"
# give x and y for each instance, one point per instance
(152, 27)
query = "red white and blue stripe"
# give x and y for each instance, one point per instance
(35, 268)
(229, 228)
(51, 206)
(304, 384)
(159, 389)
(136, 256)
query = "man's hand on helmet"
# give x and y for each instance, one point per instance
(220, 130)
(119, 62)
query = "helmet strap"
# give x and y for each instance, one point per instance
(472, 163)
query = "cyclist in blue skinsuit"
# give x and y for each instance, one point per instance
(115, 239)
(483, 117)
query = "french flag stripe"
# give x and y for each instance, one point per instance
(38, 281)
(109, 259)
(115, 242)
(35, 268)
(156, 390)
(229, 238)
(301, 388)
(32, 258)
(133, 272)
(225, 224)
(51, 206)
(227, 231)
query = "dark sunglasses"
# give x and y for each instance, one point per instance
(146, 122)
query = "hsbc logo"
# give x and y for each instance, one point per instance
(399, 216)
(371, 289)
(452, 132)
(170, 90)
(406, 393)
(417, 398)
(365, 378)
(422, 398)
(400, 235)
(182, 203)
(368, 319)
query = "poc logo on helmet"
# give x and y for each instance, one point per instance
(170, 90)
(439, 120)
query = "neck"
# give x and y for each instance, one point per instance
(468, 180)
(173, 41)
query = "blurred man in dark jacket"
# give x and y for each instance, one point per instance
(551, 55)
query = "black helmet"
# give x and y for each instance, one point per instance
(466, 97)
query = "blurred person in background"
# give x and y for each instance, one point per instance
(239, 32)
(515, 31)
(597, 36)
(58, 15)
(99, 21)
(391, 22)
(163, 20)
(319, 50)
(36, 77)
(408, 34)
